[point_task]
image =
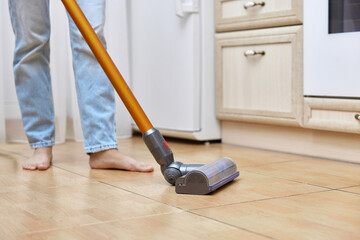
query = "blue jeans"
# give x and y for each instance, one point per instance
(31, 24)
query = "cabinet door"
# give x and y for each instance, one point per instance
(245, 14)
(265, 87)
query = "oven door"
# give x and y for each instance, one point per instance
(332, 48)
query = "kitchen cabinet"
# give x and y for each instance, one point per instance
(259, 71)
(260, 93)
(332, 114)
(244, 14)
(259, 76)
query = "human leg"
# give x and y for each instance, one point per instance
(31, 25)
(96, 96)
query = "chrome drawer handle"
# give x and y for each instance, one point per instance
(357, 116)
(253, 4)
(248, 53)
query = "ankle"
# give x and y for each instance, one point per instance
(103, 152)
(43, 150)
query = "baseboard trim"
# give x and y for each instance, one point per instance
(316, 143)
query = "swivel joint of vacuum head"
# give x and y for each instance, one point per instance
(165, 158)
(172, 172)
(159, 149)
(177, 169)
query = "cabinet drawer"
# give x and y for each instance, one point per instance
(332, 114)
(232, 15)
(260, 88)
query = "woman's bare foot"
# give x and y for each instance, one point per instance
(41, 159)
(112, 158)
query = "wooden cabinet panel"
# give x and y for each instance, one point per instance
(250, 83)
(233, 15)
(262, 88)
(332, 114)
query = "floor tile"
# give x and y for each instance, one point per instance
(71, 206)
(277, 195)
(331, 174)
(247, 187)
(168, 226)
(13, 178)
(17, 148)
(10, 162)
(241, 156)
(325, 215)
(352, 189)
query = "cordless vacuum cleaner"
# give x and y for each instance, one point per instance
(187, 178)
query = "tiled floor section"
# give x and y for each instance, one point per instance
(277, 196)
(322, 215)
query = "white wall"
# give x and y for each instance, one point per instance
(64, 93)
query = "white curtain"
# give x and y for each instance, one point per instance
(67, 117)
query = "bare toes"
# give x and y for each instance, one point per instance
(28, 166)
(41, 159)
(142, 167)
(43, 166)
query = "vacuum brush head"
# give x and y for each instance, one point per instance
(189, 178)
(208, 177)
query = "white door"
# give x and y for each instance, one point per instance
(165, 61)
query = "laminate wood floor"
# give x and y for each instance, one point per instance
(277, 196)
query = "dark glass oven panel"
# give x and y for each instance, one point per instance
(344, 16)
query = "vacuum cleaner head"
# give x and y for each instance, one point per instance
(189, 178)
(208, 177)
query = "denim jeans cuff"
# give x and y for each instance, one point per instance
(42, 144)
(98, 148)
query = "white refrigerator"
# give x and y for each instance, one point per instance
(172, 65)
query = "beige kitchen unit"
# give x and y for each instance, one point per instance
(232, 15)
(259, 77)
(341, 115)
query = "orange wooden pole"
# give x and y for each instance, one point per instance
(108, 65)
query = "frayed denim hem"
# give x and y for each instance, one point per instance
(42, 144)
(99, 148)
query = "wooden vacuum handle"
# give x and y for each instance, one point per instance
(108, 66)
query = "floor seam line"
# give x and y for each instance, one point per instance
(263, 199)
(64, 228)
(291, 180)
(265, 164)
(340, 190)
(357, 185)
(234, 226)
(108, 184)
